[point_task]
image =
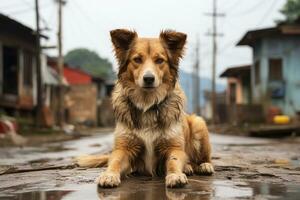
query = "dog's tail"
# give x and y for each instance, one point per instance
(92, 161)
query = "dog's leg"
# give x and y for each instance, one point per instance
(126, 149)
(200, 155)
(175, 163)
(205, 167)
(118, 163)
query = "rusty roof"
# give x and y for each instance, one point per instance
(236, 71)
(284, 29)
(8, 25)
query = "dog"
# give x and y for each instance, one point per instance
(153, 134)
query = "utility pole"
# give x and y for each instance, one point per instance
(60, 64)
(38, 68)
(196, 81)
(214, 35)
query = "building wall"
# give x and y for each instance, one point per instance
(238, 91)
(24, 98)
(288, 49)
(246, 91)
(83, 103)
(1, 68)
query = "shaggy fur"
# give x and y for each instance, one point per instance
(153, 135)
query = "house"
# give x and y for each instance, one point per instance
(105, 109)
(51, 87)
(18, 89)
(239, 108)
(238, 89)
(275, 79)
(18, 78)
(80, 97)
(87, 99)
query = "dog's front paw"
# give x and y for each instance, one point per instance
(174, 180)
(188, 170)
(205, 169)
(108, 179)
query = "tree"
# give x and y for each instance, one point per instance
(90, 62)
(291, 10)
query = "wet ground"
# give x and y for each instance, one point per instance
(246, 168)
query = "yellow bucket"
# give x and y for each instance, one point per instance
(281, 119)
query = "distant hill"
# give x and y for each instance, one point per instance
(90, 62)
(186, 81)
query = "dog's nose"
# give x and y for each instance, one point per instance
(149, 78)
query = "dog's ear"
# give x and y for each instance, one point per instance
(174, 42)
(122, 40)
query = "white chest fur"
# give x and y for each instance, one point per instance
(149, 137)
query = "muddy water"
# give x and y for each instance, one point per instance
(246, 168)
(87, 145)
(154, 189)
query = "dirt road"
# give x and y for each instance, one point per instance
(246, 168)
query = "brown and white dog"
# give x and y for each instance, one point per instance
(153, 135)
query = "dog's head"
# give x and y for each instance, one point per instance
(148, 65)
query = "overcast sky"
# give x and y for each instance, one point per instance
(87, 24)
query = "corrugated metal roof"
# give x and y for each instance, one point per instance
(9, 25)
(236, 71)
(251, 36)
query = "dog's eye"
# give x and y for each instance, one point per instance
(138, 60)
(159, 61)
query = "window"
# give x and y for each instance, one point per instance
(28, 69)
(10, 70)
(275, 69)
(257, 72)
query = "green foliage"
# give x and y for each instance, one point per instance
(90, 62)
(291, 10)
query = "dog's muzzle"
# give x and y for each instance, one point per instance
(148, 79)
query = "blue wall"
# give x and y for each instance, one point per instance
(288, 49)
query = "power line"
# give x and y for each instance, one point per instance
(232, 6)
(9, 6)
(40, 17)
(227, 45)
(83, 12)
(25, 10)
(267, 14)
(91, 36)
(250, 10)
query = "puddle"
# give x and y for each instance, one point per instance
(217, 139)
(13, 155)
(147, 188)
(75, 184)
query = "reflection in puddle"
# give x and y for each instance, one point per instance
(227, 189)
(143, 188)
(68, 149)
